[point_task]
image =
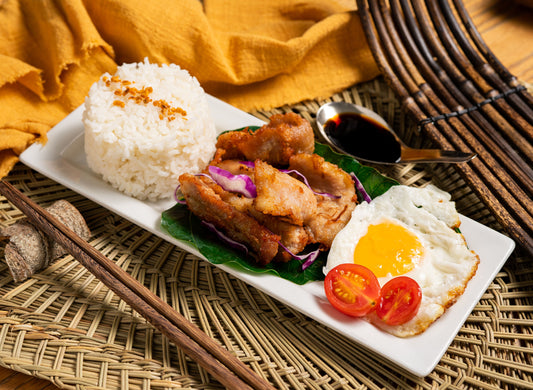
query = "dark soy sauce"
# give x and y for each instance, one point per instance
(363, 137)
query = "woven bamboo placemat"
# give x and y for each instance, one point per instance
(64, 326)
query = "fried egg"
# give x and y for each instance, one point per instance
(409, 231)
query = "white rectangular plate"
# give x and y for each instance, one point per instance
(63, 160)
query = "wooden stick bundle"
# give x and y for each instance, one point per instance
(452, 84)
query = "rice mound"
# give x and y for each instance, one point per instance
(145, 126)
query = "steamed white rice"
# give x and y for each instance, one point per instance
(142, 140)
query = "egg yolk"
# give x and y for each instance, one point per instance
(388, 248)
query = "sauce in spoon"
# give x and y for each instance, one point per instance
(361, 136)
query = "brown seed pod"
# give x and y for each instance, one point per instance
(30, 250)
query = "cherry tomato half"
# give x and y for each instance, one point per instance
(400, 300)
(352, 289)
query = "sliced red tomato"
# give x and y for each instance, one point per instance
(400, 300)
(352, 289)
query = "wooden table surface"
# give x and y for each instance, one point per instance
(507, 28)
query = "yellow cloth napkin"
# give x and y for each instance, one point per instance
(254, 54)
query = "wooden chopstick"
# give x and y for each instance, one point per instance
(226, 368)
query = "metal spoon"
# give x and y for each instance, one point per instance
(376, 142)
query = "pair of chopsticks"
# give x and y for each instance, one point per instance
(223, 366)
(435, 60)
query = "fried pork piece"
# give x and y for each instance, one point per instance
(206, 204)
(285, 210)
(332, 214)
(293, 237)
(285, 135)
(281, 195)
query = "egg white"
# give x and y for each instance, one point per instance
(447, 264)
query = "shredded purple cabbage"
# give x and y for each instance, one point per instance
(360, 188)
(240, 184)
(308, 257)
(311, 257)
(177, 198)
(231, 242)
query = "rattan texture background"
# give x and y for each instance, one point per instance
(63, 325)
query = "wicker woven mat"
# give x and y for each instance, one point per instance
(63, 325)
